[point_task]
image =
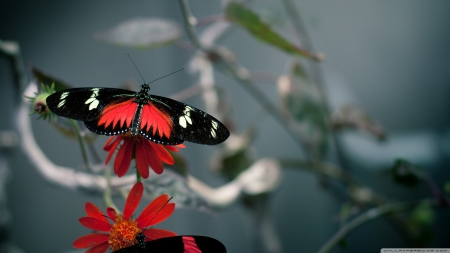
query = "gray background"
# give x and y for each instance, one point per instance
(392, 57)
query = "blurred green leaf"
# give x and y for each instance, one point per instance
(419, 224)
(405, 173)
(48, 80)
(350, 116)
(422, 215)
(142, 33)
(302, 105)
(175, 185)
(345, 212)
(236, 157)
(343, 243)
(180, 165)
(249, 20)
(447, 187)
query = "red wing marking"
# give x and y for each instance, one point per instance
(122, 113)
(189, 245)
(153, 117)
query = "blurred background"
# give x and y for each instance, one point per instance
(392, 58)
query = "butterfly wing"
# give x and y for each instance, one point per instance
(185, 122)
(184, 244)
(105, 111)
(162, 120)
(86, 104)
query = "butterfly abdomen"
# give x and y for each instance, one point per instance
(135, 125)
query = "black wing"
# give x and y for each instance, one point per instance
(189, 123)
(178, 244)
(86, 104)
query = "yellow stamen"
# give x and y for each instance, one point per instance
(123, 233)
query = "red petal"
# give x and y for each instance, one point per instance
(171, 148)
(93, 211)
(163, 154)
(175, 148)
(141, 159)
(157, 211)
(153, 158)
(123, 158)
(133, 199)
(101, 248)
(95, 224)
(112, 148)
(155, 233)
(111, 213)
(108, 143)
(90, 240)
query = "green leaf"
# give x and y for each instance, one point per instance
(302, 106)
(447, 187)
(419, 224)
(249, 20)
(406, 173)
(236, 157)
(343, 243)
(422, 215)
(142, 33)
(48, 80)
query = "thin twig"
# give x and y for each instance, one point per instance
(190, 22)
(369, 215)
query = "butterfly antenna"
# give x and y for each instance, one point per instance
(165, 76)
(136, 67)
(159, 211)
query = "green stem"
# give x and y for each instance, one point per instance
(81, 142)
(107, 195)
(369, 215)
(138, 176)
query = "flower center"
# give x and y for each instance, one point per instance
(135, 138)
(123, 233)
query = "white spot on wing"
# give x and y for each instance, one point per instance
(214, 124)
(64, 95)
(182, 122)
(61, 103)
(90, 100)
(93, 100)
(94, 104)
(213, 133)
(186, 118)
(95, 92)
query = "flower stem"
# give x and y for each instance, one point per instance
(107, 195)
(138, 176)
(81, 142)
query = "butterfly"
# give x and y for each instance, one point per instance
(176, 244)
(109, 111)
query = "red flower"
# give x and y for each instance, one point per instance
(146, 153)
(123, 232)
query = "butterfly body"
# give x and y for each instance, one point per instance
(109, 111)
(176, 244)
